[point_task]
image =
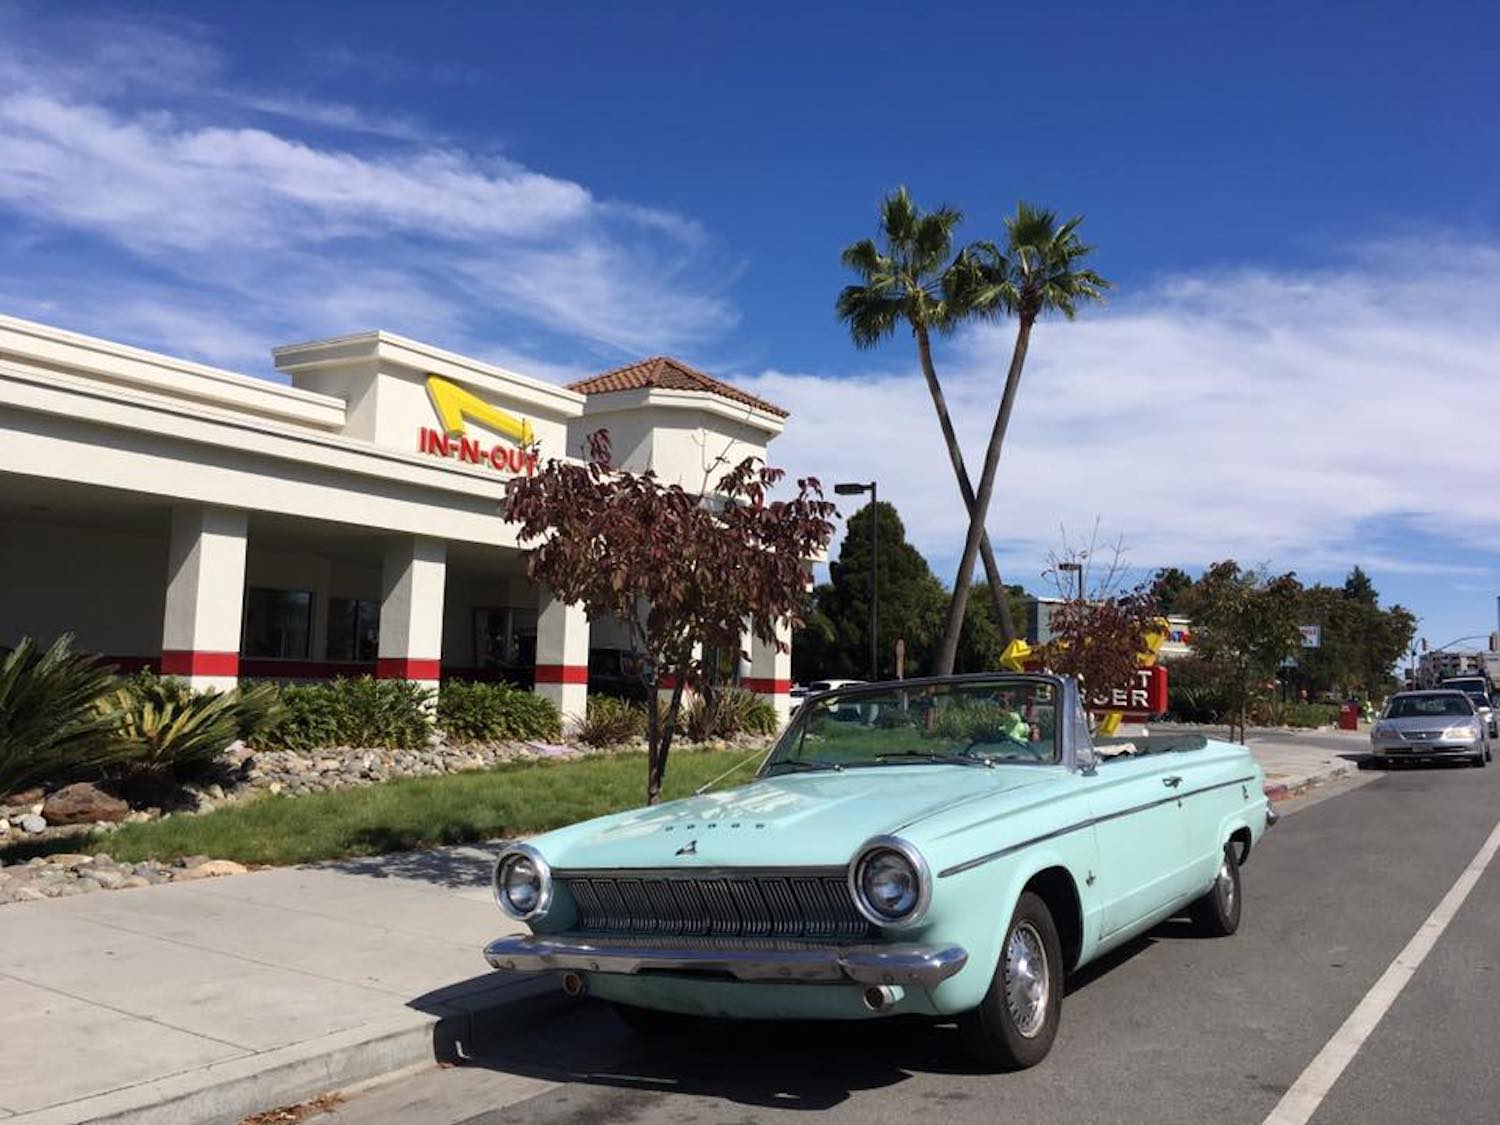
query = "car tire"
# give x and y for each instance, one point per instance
(1217, 913)
(654, 1023)
(1480, 759)
(1016, 1022)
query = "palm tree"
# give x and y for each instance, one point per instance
(911, 280)
(1037, 272)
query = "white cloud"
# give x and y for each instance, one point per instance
(1312, 419)
(141, 141)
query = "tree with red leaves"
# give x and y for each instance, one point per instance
(682, 571)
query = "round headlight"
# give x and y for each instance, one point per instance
(523, 882)
(890, 882)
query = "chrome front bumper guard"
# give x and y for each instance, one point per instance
(897, 963)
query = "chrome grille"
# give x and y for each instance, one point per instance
(807, 903)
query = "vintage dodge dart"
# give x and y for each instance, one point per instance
(948, 847)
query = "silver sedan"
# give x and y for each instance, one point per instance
(1430, 724)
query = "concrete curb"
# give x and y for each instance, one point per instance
(232, 1089)
(1285, 790)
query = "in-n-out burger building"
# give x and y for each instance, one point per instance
(213, 526)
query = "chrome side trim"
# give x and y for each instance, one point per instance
(897, 963)
(979, 861)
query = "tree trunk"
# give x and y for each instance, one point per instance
(659, 738)
(955, 455)
(960, 600)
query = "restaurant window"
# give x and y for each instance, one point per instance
(353, 629)
(278, 623)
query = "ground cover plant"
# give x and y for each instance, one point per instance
(480, 712)
(392, 714)
(50, 728)
(610, 722)
(401, 815)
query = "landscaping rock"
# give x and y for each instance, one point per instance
(32, 824)
(212, 869)
(69, 859)
(4, 826)
(83, 803)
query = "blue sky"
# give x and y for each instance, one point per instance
(1300, 208)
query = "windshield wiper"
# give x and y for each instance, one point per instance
(808, 764)
(946, 759)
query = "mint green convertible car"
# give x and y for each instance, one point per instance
(948, 847)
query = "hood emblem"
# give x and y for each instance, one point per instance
(689, 848)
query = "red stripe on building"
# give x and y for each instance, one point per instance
(406, 668)
(766, 685)
(190, 662)
(562, 674)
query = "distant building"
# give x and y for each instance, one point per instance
(1435, 667)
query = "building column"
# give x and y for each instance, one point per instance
(411, 610)
(771, 671)
(562, 656)
(200, 640)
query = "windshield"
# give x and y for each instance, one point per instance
(1007, 719)
(1424, 706)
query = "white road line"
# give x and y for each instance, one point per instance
(1299, 1103)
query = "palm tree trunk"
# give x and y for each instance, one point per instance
(956, 456)
(961, 582)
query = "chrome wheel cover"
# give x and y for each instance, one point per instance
(1224, 884)
(1028, 979)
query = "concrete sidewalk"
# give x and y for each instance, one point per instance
(205, 1001)
(209, 1000)
(1296, 760)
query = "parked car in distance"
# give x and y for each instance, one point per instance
(816, 687)
(1435, 723)
(1477, 688)
(949, 847)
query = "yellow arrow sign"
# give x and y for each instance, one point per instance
(1015, 654)
(453, 404)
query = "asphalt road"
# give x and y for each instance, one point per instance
(1171, 1029)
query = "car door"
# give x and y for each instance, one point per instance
(1140, 827)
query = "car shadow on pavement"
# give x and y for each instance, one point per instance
(532, 1030)
(550, 1037)
(459, 868)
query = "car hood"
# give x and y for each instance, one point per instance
(1428, 722)
(808, 819)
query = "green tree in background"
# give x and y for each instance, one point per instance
(1244, 625)
(1168, 586)
(835, 642)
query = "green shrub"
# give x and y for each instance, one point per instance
(258, 710)
(610, 722)
(731, 711)
(50, 729)
(478, 712)
(360, 712)
(166, 727)
(1301, 714)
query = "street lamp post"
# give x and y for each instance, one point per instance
(1074, 566)
(855, 489)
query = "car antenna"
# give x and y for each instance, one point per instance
(707, 785)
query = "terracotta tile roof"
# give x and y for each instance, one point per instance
(669, 374)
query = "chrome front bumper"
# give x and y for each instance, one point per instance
(897, 963)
